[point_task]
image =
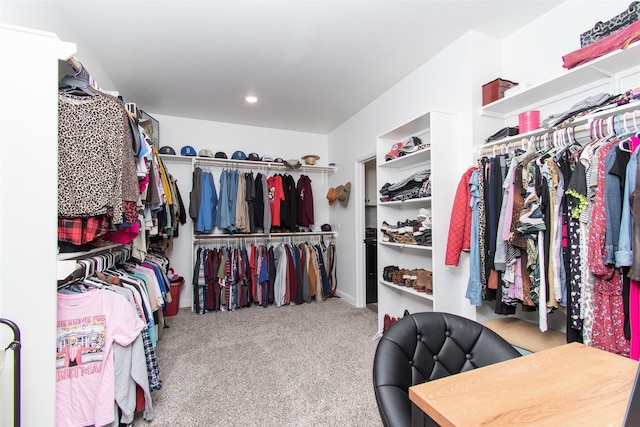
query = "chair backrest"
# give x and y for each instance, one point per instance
(426, 346)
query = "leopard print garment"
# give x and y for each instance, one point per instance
(90, 148)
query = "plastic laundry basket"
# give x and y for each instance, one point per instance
(171, 308)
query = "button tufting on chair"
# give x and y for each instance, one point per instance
(451, 339)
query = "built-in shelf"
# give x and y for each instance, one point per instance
(408, 290)
(402, 245)
(604, 67)
(420, 156)
(401, 203)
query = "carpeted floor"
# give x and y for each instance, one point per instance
(307, 365)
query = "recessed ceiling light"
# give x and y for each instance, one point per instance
(251, 99)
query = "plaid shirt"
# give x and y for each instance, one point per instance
(79, 231)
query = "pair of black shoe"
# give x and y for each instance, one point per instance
(387, 273)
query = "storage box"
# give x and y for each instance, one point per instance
(495, 89)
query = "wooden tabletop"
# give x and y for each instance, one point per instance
(570, 385)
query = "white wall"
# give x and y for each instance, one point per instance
(178, 132)
(28, 218)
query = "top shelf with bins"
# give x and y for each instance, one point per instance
(605, 67)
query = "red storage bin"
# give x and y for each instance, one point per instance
(171, 308)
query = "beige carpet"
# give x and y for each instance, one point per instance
(307, 365)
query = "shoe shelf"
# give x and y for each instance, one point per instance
(419, 157)
(406, 245)
(435, 129)
(400, 203)
(407, 289)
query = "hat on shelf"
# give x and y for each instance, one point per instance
(332, 195)
(254, 157)
(221, 155)
(325, 227)
(205, 152)
(293, 163)
(267, 159)
(278, 160)
(343, 193)
(188, 150)
(394, 153)
(315, 228)
(310, 159)
(167, 150)
(239, 155)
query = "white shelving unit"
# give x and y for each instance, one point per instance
(436, 129)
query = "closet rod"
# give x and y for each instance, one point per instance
(580, 127)
(263, 236)
(260, 165)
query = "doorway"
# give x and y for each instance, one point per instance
(371, 232)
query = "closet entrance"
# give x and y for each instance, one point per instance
(371, 233)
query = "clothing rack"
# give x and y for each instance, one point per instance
(607, 121)
(15, 345)
(250, 164)
(262, 236)
(98, 259)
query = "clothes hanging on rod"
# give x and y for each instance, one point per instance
(228, 277)
(107, 338)
(246, 204)
(556, 230)
(112, 183)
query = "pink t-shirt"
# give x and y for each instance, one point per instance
(88, 325)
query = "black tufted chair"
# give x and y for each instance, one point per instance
(422, 347)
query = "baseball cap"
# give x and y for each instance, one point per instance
(221, 155)
(205, 152)
(167, 150)
(267, 159)
(188, 150)
(254, 157)
(239, 155)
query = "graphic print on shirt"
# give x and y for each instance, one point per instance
(80, 347)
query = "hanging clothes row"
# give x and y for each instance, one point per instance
(106, 339)
(112, 183)
(245, 204)
(231, 277)
(554, 229)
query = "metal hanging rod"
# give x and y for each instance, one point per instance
(250, 164)
(625, 115)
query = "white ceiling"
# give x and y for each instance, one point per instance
(313, 64)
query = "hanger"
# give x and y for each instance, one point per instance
(77, 84)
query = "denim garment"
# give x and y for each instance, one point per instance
(624, 255)
(474, 286)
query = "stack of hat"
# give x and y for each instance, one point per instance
(340, 193)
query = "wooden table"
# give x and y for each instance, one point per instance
(570, 385)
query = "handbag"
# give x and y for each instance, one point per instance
(618, 22)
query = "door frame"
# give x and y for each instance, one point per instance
(359, 178)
